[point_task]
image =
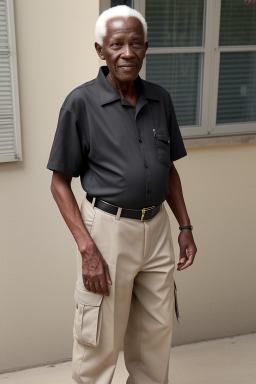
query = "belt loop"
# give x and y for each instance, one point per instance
(118, 214)
(93, 201)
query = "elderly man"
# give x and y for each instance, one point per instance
(119, 133)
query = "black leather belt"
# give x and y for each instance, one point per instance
(143, 214)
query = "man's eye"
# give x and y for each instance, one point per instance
(136, 43)
(116, 44)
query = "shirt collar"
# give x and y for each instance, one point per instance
(108, 94)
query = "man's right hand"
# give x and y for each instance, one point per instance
(95, 270)
(94, 267)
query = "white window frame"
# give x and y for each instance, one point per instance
(237, 128)
(209, 77)
(16, 155)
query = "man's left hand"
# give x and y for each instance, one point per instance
(187, 249)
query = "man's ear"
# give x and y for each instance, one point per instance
(99, 51)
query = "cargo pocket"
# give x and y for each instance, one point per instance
(88, 316)
(162, 148)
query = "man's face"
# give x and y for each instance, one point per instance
(123, 48)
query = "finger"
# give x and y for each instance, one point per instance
(183, 254)
(187, 263)
(92, 286)
(183, 260)
(104, 287)
(180, 265)
(86, 283)
(98, 287)
(108, 275)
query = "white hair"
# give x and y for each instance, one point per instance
(118, 11)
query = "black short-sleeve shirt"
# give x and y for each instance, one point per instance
(121, 153)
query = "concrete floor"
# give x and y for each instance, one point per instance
(223, 361)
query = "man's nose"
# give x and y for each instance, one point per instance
(127, 51)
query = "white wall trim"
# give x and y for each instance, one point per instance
(216, 141)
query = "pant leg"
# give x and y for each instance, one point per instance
(148, 337)
(122, 245)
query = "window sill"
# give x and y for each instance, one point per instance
(219, 141)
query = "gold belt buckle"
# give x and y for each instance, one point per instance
(144, 210)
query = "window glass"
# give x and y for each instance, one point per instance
(180, 74)
(237, 87)
(175, 23)
(237, 23)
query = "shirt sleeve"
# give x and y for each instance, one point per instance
(177, 149)
(66, 154)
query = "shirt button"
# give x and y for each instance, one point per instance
(145, 165)
(140, 140)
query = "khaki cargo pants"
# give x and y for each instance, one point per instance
(139, 310)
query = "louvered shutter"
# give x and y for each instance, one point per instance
(10, 146)
(177, 24)
(237, 76)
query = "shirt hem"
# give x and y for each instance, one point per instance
(63, 169)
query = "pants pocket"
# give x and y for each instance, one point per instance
(88, 316)
(88, 214)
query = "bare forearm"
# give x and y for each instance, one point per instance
(177, 204)
(95, 271)
(66, 201)
(175, 199)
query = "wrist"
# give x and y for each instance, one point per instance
(84, 243)
(185, 227)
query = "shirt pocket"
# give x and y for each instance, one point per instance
(88, 316)
(162, 142)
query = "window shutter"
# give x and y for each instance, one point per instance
(177, 24)
(10, 144)
(237, 76)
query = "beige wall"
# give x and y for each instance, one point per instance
(55, 54)
(216, 296)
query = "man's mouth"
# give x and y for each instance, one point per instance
(127, 66)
